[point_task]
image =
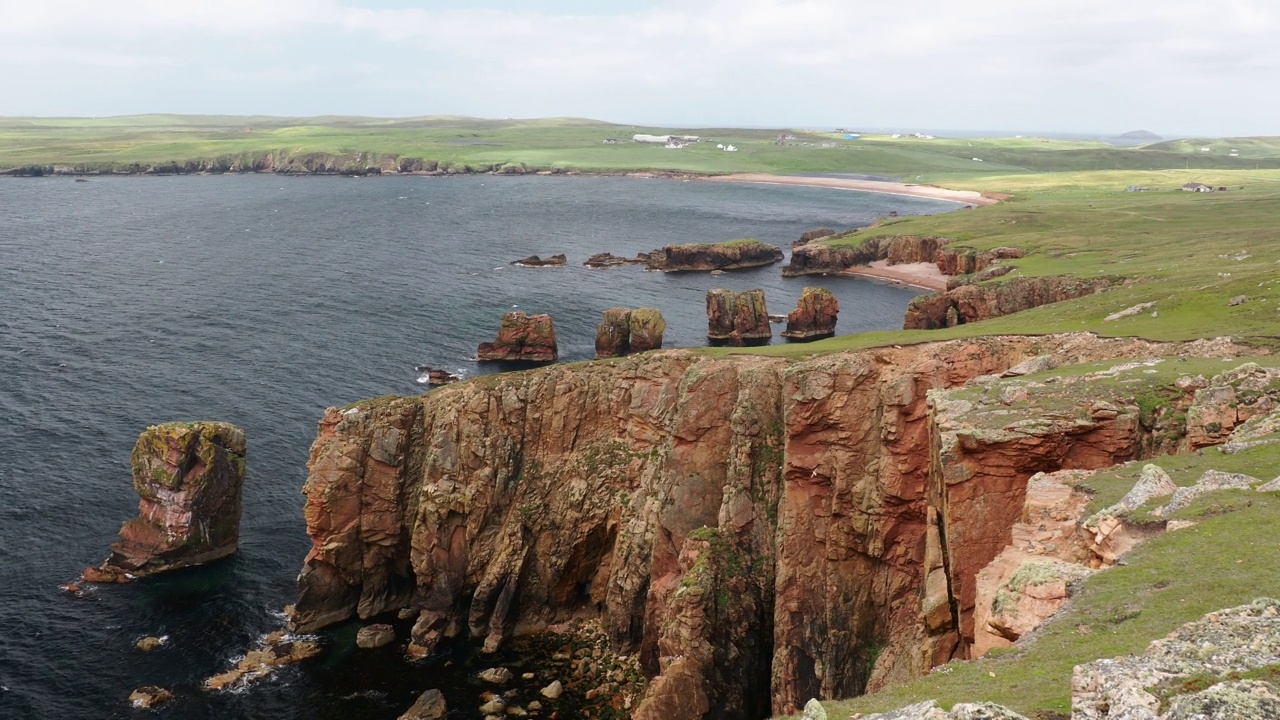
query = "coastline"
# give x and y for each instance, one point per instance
(924, 276)
(930, 192)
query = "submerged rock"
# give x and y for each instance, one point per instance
(522, 338)
(814, 317)
(189, 477)
(737, 318)
(149, 697)
(275, 650)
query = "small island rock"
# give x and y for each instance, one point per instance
(429, 706)
(706, 257)
(535, 261)
(522, 338)
(814, 317)
(150, 696)
(737, 318)
(375, 636)
(189, 477)
(608, 260)
(147, 644)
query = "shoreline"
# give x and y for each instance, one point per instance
(922, 276)
(928, 192)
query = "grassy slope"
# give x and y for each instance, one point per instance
(573, 144)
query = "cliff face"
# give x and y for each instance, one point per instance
(971, 303)
(757, 532)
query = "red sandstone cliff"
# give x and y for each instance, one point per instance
(757, 532)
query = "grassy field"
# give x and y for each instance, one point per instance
(568, 143)
(1189, 253)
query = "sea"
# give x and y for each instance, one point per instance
(261, 300)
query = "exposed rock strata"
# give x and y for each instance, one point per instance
(816, 258)
(814, 317)
(758, 533)
(706, 257)
(735, 318)
(522, 338)
(189, 478)
(971, 303)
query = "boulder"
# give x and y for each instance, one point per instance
(189, 478)
(813, 710)
(497, 676)
(375, 636)
(535, 261)
(553, 691)
(814, 317)
(150, 696)
(737, 318)
(429, 706)
(613, 334)
(706, 257)
(522, 338)
(147, 644)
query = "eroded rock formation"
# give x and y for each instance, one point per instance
(735, 318)
(607, 260)
(756, 532)
(188, 477)
(810, 235)
(705, 257)
(814, 317)
(522, 338)
(623, 332)
(971, 303)
(812, 258)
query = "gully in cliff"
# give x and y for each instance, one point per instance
(189, 477)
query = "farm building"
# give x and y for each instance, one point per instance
(1197, 187)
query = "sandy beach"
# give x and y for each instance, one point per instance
(968, 197)
(921, 275)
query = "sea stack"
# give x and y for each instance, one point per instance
(626, 332)
(737, 318)
(189, 477)
(522, 338)
(814, 317)
(707, 257)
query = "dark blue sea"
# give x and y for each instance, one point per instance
(261, 300)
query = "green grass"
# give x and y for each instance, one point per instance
(574, 143)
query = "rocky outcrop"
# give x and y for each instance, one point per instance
(275, 650)
(608, 260)
(1228, 641)
(706, 257)
(188, 477)
(972, 303)
(280, 162)
(755, 532)
(647, 329)
(535, 261)
(735, 318)
(826, 257)
(522, 338)
(814, 317)
(811, 235)
(624, 332)
(430, 705)
(1229, 400)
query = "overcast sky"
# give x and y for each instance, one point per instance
(1209, 67)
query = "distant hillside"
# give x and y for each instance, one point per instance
(1244, 148)
(1143, 135)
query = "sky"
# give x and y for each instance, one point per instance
(1175, 67)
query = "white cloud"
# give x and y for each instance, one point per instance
(970, 62)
